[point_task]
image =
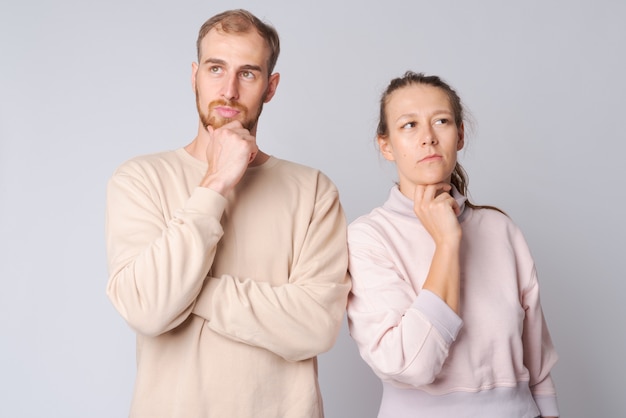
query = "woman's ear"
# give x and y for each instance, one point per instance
(385, 147)
(461, 142)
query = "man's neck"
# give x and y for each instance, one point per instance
(197, 149)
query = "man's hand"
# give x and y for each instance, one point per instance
(230, 150)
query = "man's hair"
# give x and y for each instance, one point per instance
(242, 21)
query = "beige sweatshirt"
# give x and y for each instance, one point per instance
(231, 298)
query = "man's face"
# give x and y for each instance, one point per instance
(231, 80)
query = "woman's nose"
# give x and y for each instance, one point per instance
(429, 138)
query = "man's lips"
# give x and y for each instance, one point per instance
(227, 112)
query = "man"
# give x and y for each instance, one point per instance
(230, 264)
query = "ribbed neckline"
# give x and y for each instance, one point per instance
(402, 205)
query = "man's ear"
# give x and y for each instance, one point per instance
(384, 145)
(194, 71)
(461, 142)
(271, 87)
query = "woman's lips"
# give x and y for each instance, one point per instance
(430, 158)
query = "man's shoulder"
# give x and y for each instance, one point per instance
(292, 165)
(304, 177)
(299, 169)
(149, 162)
(150, 159)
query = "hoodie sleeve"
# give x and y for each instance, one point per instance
(403, 335)
(539, 353)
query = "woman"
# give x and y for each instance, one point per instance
(445, 301)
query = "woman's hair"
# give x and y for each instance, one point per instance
(459, 177)
(242, 21)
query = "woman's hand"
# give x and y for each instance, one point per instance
(438, 211)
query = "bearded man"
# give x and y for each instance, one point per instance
(229, 264)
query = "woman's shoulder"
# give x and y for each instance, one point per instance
(495, 223)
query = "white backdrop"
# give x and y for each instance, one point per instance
(85, 85)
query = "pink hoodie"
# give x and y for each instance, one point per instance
(492, 361)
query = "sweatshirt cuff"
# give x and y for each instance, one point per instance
(205, 200)
(547, 405)
(440, 315)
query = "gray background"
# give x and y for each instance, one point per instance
(85, 85)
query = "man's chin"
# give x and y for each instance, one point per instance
(217, 123)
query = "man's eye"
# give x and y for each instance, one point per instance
(215, 69)
(248, 75)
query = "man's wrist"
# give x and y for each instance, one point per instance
(213, 182)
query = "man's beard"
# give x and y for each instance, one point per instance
(211, 119)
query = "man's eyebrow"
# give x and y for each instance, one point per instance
(246, 67)
(214, 61)
(251, 67)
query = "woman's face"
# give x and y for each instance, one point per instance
(423, 139)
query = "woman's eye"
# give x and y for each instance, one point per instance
(408, 125)
(442, 121)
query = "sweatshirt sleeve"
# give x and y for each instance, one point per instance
(157, 266)
(403, 336)
(539, 353)
(297, 320)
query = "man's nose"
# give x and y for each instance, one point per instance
(230, 89)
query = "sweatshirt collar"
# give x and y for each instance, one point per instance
(402, 205)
